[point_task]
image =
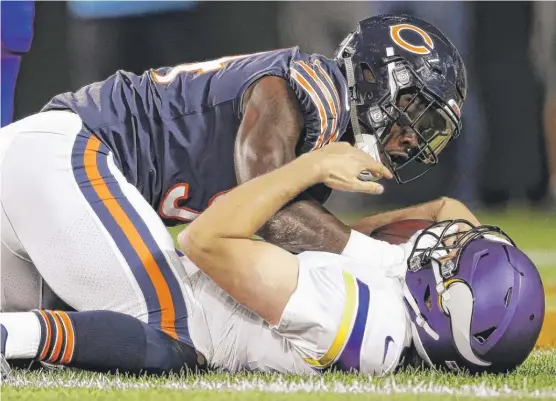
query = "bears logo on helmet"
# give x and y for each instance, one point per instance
(396, 35)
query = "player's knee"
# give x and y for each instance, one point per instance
(166, 354)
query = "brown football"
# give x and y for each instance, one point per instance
(400, 232)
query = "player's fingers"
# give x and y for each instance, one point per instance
(367, 187)
(376, 168)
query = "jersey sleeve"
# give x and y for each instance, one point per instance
(337, 319)
(322, 92)
(325, 318)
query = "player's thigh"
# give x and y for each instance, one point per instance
(91, 235)
(23, 288)
(20, 280)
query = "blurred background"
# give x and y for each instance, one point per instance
(503, 165)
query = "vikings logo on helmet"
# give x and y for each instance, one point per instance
(484, 312)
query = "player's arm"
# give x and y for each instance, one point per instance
(440, 209)
(257, 274)
(267, 139)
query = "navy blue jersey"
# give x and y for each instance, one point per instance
(172, 130)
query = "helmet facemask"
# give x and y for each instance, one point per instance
(412, 110)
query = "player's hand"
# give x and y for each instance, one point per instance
(341, 165)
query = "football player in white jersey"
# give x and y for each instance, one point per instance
(359, 314)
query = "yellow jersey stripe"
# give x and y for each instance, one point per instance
(344, 329)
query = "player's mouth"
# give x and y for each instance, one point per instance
(398, 155)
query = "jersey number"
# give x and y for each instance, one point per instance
(169, 208)
(202, 67)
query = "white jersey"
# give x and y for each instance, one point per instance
(342, 314)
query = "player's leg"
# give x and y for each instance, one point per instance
(101, 341)
(93, 238)
(20, 280)
(20, 286)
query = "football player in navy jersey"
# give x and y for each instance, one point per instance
(91, 181)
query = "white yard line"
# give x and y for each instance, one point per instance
(284, 386)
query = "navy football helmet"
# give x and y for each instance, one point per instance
(403, 75)
(476, 301)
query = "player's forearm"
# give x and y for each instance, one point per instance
(305, 225)
(242, 212)
(437, 210)
(424, 211)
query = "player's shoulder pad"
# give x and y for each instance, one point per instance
(322, 92)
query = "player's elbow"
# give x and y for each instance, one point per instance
(445, 201)
(439, 203)
(197, 245)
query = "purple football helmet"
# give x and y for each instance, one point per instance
(479, 309)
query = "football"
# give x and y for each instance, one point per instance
(400, 232)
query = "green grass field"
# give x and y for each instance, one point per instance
(534, 232)
(534, 379)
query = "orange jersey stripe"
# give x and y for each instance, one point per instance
(328, 97)
(334, 92)
(48, 335)
(332, 138)
(315, 97)
(321, 85)
(162, 290)
(331, 83)
(70, 338)
(59, 338)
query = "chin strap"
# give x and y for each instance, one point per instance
(419, 319)
(440, 287)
